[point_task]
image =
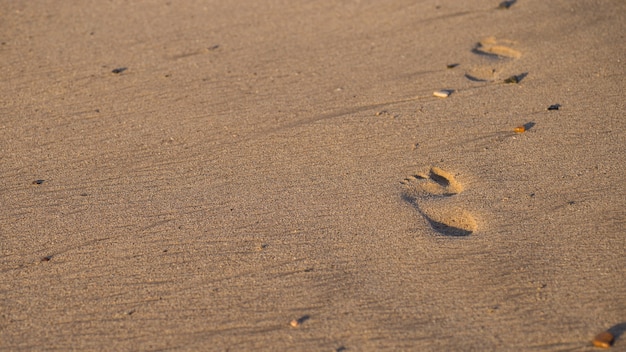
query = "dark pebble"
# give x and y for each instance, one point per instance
(119, 69)
(554, 107)
(506, 4)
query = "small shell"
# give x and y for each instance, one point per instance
(603, 340)
(297, 322)
(444, 93)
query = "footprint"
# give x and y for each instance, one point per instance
(431, 194)
(499, 52)
(494, 47)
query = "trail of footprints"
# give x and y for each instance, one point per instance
(433, 196)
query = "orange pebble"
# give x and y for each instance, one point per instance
(519, 129)
(294, 323)
(603, 340)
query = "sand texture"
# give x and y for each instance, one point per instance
(278, 175)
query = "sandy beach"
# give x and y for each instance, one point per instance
(277, 175)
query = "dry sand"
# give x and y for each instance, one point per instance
(255, 164)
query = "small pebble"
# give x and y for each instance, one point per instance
(516, 78)
(442, 93)
(38, 182)
(519, 129)
(452, 65)
(603, 340)
(119, 70)
(554, 107)
(506, 4)
(297, 322)
(512, 79)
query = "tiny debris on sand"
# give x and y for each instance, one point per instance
(443, 93)
(603, 340)
(512, 79)
(554, 107)
(506, 4)
(297, 322)
(119, 70)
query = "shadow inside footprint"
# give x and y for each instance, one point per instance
(432, 196)
(459, 225)
(447, 230)
(496, 48)
(439, 178)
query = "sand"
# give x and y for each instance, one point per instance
(256, 163)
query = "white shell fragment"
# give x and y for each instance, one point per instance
(444, 93)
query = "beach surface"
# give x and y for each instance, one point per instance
(278, 175)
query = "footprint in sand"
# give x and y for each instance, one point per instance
(497, 47)
(433, 195)
(500, 52)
